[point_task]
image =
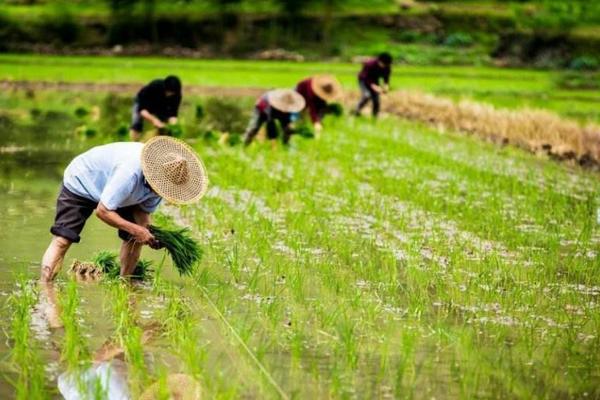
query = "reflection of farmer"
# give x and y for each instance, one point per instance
(157, 102)
(108, 372)
(368, 80)
(318, 91)
(123, 183)
(273, 106)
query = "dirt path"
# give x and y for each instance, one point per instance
(13, 85)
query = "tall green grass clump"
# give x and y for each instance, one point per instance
(185, 252)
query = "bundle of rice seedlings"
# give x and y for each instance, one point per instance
(105, 263)
(183, 249)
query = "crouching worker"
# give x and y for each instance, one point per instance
(372, 72)
(158, 103)
(276, 105)
(318, 91)
(123, 183)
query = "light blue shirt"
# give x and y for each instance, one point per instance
(112, 175)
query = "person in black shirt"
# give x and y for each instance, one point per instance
(157, 102)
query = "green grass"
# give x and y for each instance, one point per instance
(504, 87)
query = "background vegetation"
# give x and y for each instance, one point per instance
(542, 33)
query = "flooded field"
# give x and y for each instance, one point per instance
(386, 260)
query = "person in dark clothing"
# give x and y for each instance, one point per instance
(157, 102)
(369, 78)
(318, 91)
(275, 105)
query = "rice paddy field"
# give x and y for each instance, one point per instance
(387, 259)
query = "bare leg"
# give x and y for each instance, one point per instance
(130, 250)
(53, 258)
(49, 304)
(130, 254)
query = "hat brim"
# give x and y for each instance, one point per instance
(187, 192)
(319, 81)
(277, 99)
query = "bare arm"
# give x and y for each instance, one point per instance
(376, 88)
(140, 233)
(151, 118)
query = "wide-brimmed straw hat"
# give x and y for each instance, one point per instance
(173, 170)
(327, 87)
(286, 100)
(178, 386)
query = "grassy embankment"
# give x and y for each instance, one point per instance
(423, 32)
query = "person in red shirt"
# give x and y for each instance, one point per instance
(318, 91)
(373, 71)
(272, 107)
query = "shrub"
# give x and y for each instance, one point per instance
(459, 39)
(584, 63)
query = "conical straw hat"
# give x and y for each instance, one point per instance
(286, 100)
(179, 386)
(327, 87)
(173, 170)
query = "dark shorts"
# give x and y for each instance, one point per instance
(137, 122)
(72, 211)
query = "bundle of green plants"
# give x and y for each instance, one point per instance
(185, 252)
(335, 109)
(106, 262)
(305, 131)
(174, 130)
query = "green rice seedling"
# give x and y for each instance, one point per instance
(74, 353)
(129, 335)
(30, 383)
(185, 252)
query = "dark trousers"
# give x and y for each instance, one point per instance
(259, 118)
(366, 94)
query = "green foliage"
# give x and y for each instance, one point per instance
(585, 63)
(459, 39)
(183, 249)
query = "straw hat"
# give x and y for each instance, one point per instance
(179, 386)
(173, 170)
(327, 87)
(286, 100)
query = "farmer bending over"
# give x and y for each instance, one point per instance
(318, 91)
(157, 102)
(124, 183)
(368, 80)
(276, 105)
